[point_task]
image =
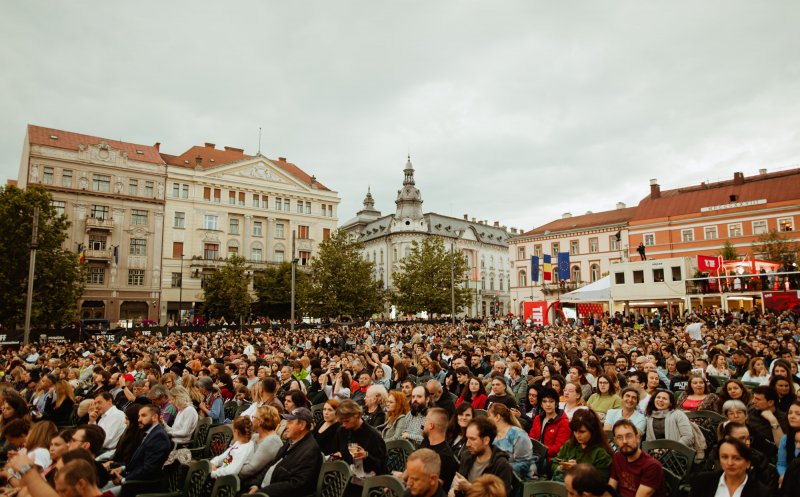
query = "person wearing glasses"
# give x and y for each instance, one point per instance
(633, 472)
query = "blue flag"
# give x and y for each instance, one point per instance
(534, 269)
(563, 266)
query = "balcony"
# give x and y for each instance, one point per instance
(99, 255)
(207, 263)
(560, 289)
(99, 224)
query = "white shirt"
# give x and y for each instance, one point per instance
(694, 331)
(723, 491)
(113, 423)
(230, 462)
(184, 425)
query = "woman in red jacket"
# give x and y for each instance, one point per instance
(474, 394)
(551, 426)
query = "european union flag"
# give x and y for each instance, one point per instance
(563, 266)
(534, 269)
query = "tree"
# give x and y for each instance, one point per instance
(273, 289)
(423, 282)
(342, 282)
(226, 292)
(58, 278)
(775, 247)
(728, 252)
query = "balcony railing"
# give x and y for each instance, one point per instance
(99, 224)
(102, 255)
(558, 288)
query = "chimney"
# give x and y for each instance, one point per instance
(588, 212)
(620, 205)
(762, 171)
(210, 145)
(466, 218)
(655, 190)
(473, 219)
(313, 179)
(738, 178)
(497, 224)
(234, 149)
(566, 215)
(157, 146)
(282, 159)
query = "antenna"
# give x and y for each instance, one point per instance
(259, 139)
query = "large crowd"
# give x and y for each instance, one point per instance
(603, 406)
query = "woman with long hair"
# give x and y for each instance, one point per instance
(719, 365)
(37, 445)
(474, 394)
(212, 400)
(512, 439)
(58, 408)
(316, 394)
(733, 389)
(295, 399)
(605, 398)
(698, 395)
(573, 399)
(784, 387)
(325, 432)
(457, 428)
(183, 427)
(266, 444)
(577, 375)
(13, 408)
(131, 438)
(587, 444)
(379, 378)
(189, 382)
(664, 421)
(59, 444)
(397, 417)
(757, 372)
(787, 451)
(400, 375)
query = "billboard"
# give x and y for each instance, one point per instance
(535, 310)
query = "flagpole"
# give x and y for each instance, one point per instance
(31, 271)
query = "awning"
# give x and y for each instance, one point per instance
(599, 291)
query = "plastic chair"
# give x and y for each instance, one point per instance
(481, 412)
(200, 435)
(539, 448)
(672, 455)
(166, 482)
(229, 409)
(333, 479)
(316, 412)
(397, 452)
(193, 484)
(383, 486)
(226, 486)
(707, 421)
(549, 488)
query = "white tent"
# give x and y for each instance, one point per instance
(599, 291)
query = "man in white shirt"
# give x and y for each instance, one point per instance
(109, 418)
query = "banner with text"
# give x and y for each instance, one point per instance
(537, 311)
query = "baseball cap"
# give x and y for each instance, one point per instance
(302, 414)
(128, 378)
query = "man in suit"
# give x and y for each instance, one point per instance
(149, 457)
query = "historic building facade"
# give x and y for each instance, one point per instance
(113, 194)
(389, 238)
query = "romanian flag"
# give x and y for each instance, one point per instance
(81, 253)
(547, 268)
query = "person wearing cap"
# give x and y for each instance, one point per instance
(369, 456)
(297, 464)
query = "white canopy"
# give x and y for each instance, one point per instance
(599, 291)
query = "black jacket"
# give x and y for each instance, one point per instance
(297, 468)
(498, 466)
(370, 440)
(705, 485)
(449, 461)
(149, 458)
(760, 468)
(446, 403)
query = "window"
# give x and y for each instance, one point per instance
(734, 230)
(279, 231)
(594, 245)
(594, 272)
(537, 250)
(687, 235)
(649, 239)
(305, 257)
(619, 278)
(759, 227)
(234, 227)
(326, 234)
(676, 273)
(265, 201)
(308, 207)
(136, 277)
(299, 206)
(179, 220)
(232, 198)
(330, 211)
(176, 190)
(232, 250)
(47, 176)
(323, 210)
(785, 224)
(59, 206)
(177, 250)
(209, 222)
(101, 183)
(207, 194)
(211, 251)
(554, 248)
(185, 191)
(217, 195)
(241, 198)
(287, 205)
(521, 253)
(638, 276)
(278, 204)
(138, 217)
(66, 178)
(176, 280)
(255, 254)
(658, 275)
(148, 188)
(207, 275)
(257, 228)
(710, 232)
(302, 232)
(576, 273)
(133, 187)
(279, 256)
(97, 242)
(574, 247)
(138, 246)
(522, 278)
(256, 201)
(613, 243)
(100, 212)
(97, 275)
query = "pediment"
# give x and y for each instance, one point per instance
(257, 170)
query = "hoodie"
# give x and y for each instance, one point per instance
(499, 466)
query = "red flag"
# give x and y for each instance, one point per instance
(708, 263)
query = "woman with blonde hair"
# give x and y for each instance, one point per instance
(58, 409)
(487, 486)
(189, 382)
(374, 402)
(185, 422)
(266, 444)
(397, 417)
(169, 380)
(37, 445)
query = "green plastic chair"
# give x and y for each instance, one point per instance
(539, 448)
(229, 409)
(200, 435)
(383, 486)
(226, 486)
(333, 479)
(397, 452)
(672, 455)
(219, 437)
(707, 421)
(316, 412)
(481, 412)
(193, 484)
(547, 488)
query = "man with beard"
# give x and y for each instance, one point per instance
(483, 457)
(633, 472)
(149, 457)
(416, 421)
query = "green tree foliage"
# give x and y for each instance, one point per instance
(273, 289)
(774, 247)
(59, 279)
(423, 282)
(728, 251)
(226, 292)
(342, 282)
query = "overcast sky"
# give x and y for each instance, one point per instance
(515, 111)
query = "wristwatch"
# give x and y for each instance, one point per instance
(774, 426)
(24, 469)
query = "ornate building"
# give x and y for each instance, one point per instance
(389, 238)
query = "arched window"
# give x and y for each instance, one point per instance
(576, 274)
(522, 278)
(594, 272)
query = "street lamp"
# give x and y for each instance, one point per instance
(180, 294)
(453, 277)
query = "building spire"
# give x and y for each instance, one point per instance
(409, 172)
(409, 200)
(369, 202)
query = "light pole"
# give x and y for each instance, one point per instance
(294, 265)
(180, 294)
(453, 277)
(31, 270)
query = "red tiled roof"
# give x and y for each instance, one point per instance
(584, 221)
(68, 140)
(774, 187)
(297, 173)
(11, 182)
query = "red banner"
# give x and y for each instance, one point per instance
(708, 263)
(535, 310)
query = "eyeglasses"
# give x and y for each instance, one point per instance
(73, 439)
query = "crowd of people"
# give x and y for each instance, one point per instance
(485, 408)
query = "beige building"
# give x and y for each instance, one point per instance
(222, 202)
(113, 194)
